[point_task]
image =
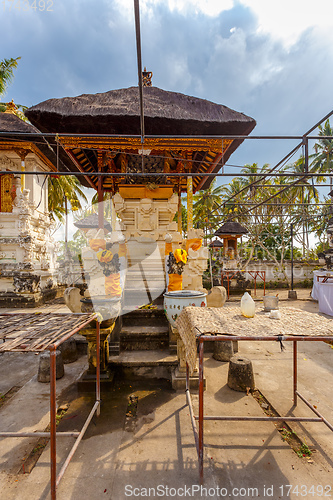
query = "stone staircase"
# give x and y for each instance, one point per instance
(145, 348)
(145, 329)
(145, 281)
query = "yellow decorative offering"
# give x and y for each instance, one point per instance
(180, 255)
(105, 256)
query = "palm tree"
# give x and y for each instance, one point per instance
(323, 157)
(206, 207)
(61, 191)
(304, 192)
(64, 189)
(7, 67)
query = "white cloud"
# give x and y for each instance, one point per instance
(287, 19)
(209, 7)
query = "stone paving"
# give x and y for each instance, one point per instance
(120, 458)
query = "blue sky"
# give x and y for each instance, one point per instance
(271, 60)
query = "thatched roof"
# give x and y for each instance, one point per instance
(11, 123)
(118, 112)
(91, 222)
(216, 244)
(231, 227)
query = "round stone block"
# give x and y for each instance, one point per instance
(223, 351)
(69, 351)
(44, 366)
(240, 374)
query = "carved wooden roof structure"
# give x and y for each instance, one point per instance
(168, 116)
(22, 145)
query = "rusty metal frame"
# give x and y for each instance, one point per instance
(53, 434)
(257, 274)
(199, 432)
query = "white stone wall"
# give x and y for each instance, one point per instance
(301, 270)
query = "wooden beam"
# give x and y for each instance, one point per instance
(77, 164)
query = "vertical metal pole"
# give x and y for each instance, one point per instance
(53, 421)
(100, 191)
(187, 377)
(98, 367)
(22, 175)
(189, 203)
(66, 230)
(292, 254)
(179, 220)
(306, 154)
(113, 215)
(138, 51)
(201, 408)
(295, 371)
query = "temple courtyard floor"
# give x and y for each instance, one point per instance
(147, 450)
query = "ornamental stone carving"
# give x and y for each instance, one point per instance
(26, 282)
(8, 163)
(152, 217)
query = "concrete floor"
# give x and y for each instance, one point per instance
(157, 450)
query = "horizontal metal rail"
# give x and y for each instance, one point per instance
(264, 419)
(214, 338)
(167, 174)
(39, 434)
(58, 135)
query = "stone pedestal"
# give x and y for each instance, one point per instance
(223, 351)
(69, 351)
(173, 334)
(44, 366)
(240, 374)
(90, 334)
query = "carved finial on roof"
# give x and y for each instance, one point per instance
(11, 108)
(146, 78)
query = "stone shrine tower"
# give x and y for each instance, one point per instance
(27, 265)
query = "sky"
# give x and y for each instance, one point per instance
(272, 60)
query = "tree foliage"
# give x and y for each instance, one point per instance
(65, 192)
(7, 67)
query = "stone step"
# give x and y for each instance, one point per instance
(136, 297)
(153, 277)
(144, 317)
(144, 364)
(141, 338)
(151, 284)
